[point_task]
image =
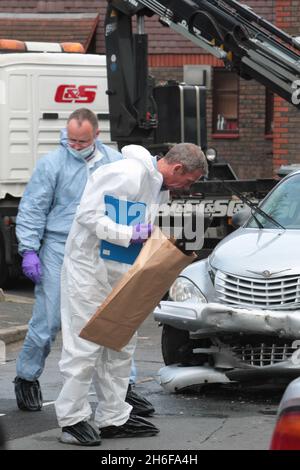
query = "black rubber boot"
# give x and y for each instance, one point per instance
(135, 426)
(140, 405)
(80, 434)
(28, 394)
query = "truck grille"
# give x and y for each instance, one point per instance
(263, 355)
(278, 293)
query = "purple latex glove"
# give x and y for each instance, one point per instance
(141, 232)
(31, 266)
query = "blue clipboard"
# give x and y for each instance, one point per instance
(125, 213)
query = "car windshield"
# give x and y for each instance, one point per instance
(283, 204)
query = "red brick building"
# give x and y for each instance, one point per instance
(253, 131)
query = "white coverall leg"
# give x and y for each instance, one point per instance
(83, 361)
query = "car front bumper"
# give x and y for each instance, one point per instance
(215, 318)
(176, 377)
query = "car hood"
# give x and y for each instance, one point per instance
(246, 250)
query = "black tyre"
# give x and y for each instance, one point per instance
(3, 265)
(173, 344)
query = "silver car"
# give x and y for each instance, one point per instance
(235, 316)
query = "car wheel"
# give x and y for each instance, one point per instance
(173, 344)
(3, 265)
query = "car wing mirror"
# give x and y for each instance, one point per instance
(240, 217)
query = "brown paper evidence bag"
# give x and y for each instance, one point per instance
(137, 293)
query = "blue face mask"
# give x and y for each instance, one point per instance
(83, 153)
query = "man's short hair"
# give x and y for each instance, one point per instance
(190, 155)
(84, 114)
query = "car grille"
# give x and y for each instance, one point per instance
(280, 292)
(263, 355)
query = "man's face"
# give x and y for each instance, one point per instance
(80, 136)
(176, 178)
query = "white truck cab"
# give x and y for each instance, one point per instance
(38, 91)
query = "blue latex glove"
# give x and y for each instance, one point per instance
(31, 266)
(141, 232)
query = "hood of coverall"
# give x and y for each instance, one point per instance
(137, 152)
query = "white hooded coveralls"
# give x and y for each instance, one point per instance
(87, 279)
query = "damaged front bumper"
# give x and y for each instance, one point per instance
(176, 377)
(215, 318)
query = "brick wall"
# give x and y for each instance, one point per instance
(286, 142)
(163, 74)
(251, 153)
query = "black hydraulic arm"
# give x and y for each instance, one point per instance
(132, 108)
(247, 43)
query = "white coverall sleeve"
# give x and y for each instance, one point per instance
(35, 206)
(119, 180)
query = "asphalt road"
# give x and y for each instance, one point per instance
(214, 418)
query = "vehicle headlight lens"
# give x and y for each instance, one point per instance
(211, 154)
(183, 290)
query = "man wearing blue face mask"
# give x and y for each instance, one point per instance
(45, 215)
(44, 219)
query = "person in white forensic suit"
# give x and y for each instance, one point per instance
(88, 277)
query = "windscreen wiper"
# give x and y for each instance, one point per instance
(253, 206)
(259, 224)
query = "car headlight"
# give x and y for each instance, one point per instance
(183, 290)
(211, 154)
